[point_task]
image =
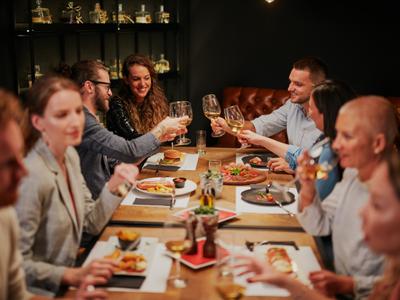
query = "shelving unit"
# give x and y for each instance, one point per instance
(48, 45)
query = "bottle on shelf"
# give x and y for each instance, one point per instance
(38, 74)
(114, 69)
(162, 16)
(162, 65)
(123, 18)
(98, 16)
(72, 14)
(40, 14)
(142, 16)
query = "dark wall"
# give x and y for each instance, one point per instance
(7, 46)
(253, 43)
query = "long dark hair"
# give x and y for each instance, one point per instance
(329, 96)
(38, 98)
(155, 106)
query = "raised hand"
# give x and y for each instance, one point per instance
(123, 178)
(220, 124)
(248, 136)
(279, 164)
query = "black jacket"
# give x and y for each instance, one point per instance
(117, 119)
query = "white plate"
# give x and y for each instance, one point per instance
(146, 247)
(189, 187)
(303, 260)
(158, 157)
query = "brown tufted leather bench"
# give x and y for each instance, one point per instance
(253, 102)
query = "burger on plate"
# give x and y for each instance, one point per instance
(172, 157)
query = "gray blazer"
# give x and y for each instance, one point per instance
(101, 148)
(50, 228)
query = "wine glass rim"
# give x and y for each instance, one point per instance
(209, 96)
(180, 102)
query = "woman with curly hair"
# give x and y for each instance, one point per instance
(141, 103)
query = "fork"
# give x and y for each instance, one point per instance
(281, 206)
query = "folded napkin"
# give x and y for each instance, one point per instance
(153, 201)
(161, 167)
(125, 281)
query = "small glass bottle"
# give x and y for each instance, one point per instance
(142, 16)
(68, 14)
(38, 74)
(162, 16)
(40, 14)
(162, 65)
(94, 15)
(121, 15)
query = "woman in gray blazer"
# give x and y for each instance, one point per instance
(55, 206)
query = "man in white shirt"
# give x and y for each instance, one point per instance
(366, 131)
(292, 116)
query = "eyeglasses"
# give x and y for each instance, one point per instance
(108, 84)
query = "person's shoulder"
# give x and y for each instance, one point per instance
(7, 215)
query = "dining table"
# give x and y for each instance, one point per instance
(149, 222)
(145, 215)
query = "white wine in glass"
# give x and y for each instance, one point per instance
(177, 240)
(212, 110)
(179, 109)
(235, 120)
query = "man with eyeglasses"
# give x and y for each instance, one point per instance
(101, 149)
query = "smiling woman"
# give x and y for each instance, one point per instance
(141, 103)
(55, 189)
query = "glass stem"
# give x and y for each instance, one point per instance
(178, 266)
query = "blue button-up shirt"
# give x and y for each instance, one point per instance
(300, 129)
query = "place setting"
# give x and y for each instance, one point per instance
(141, 265)
(161, 191)
(272, 198)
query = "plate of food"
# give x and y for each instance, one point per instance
(172, 157)
(286, 259)
(241, 174)
(131, 263)
(261, 197)
(257, 160)
(163, 186)
(224, 214)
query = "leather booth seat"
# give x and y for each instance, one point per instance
(253, 102)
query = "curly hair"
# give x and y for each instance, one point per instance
(155, 106)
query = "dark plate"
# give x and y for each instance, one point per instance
(251, 197)
(264, 157)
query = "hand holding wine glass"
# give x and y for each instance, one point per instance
(235, 120)
(212, 110)
(311, 169)
(179, 109)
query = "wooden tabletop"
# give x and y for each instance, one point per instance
(201, 283)
(141, 215)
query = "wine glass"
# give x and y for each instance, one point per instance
(178, 240)
(212, 110)
(315, 170)
(179, 109)
(235, 120)
(226, 251)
